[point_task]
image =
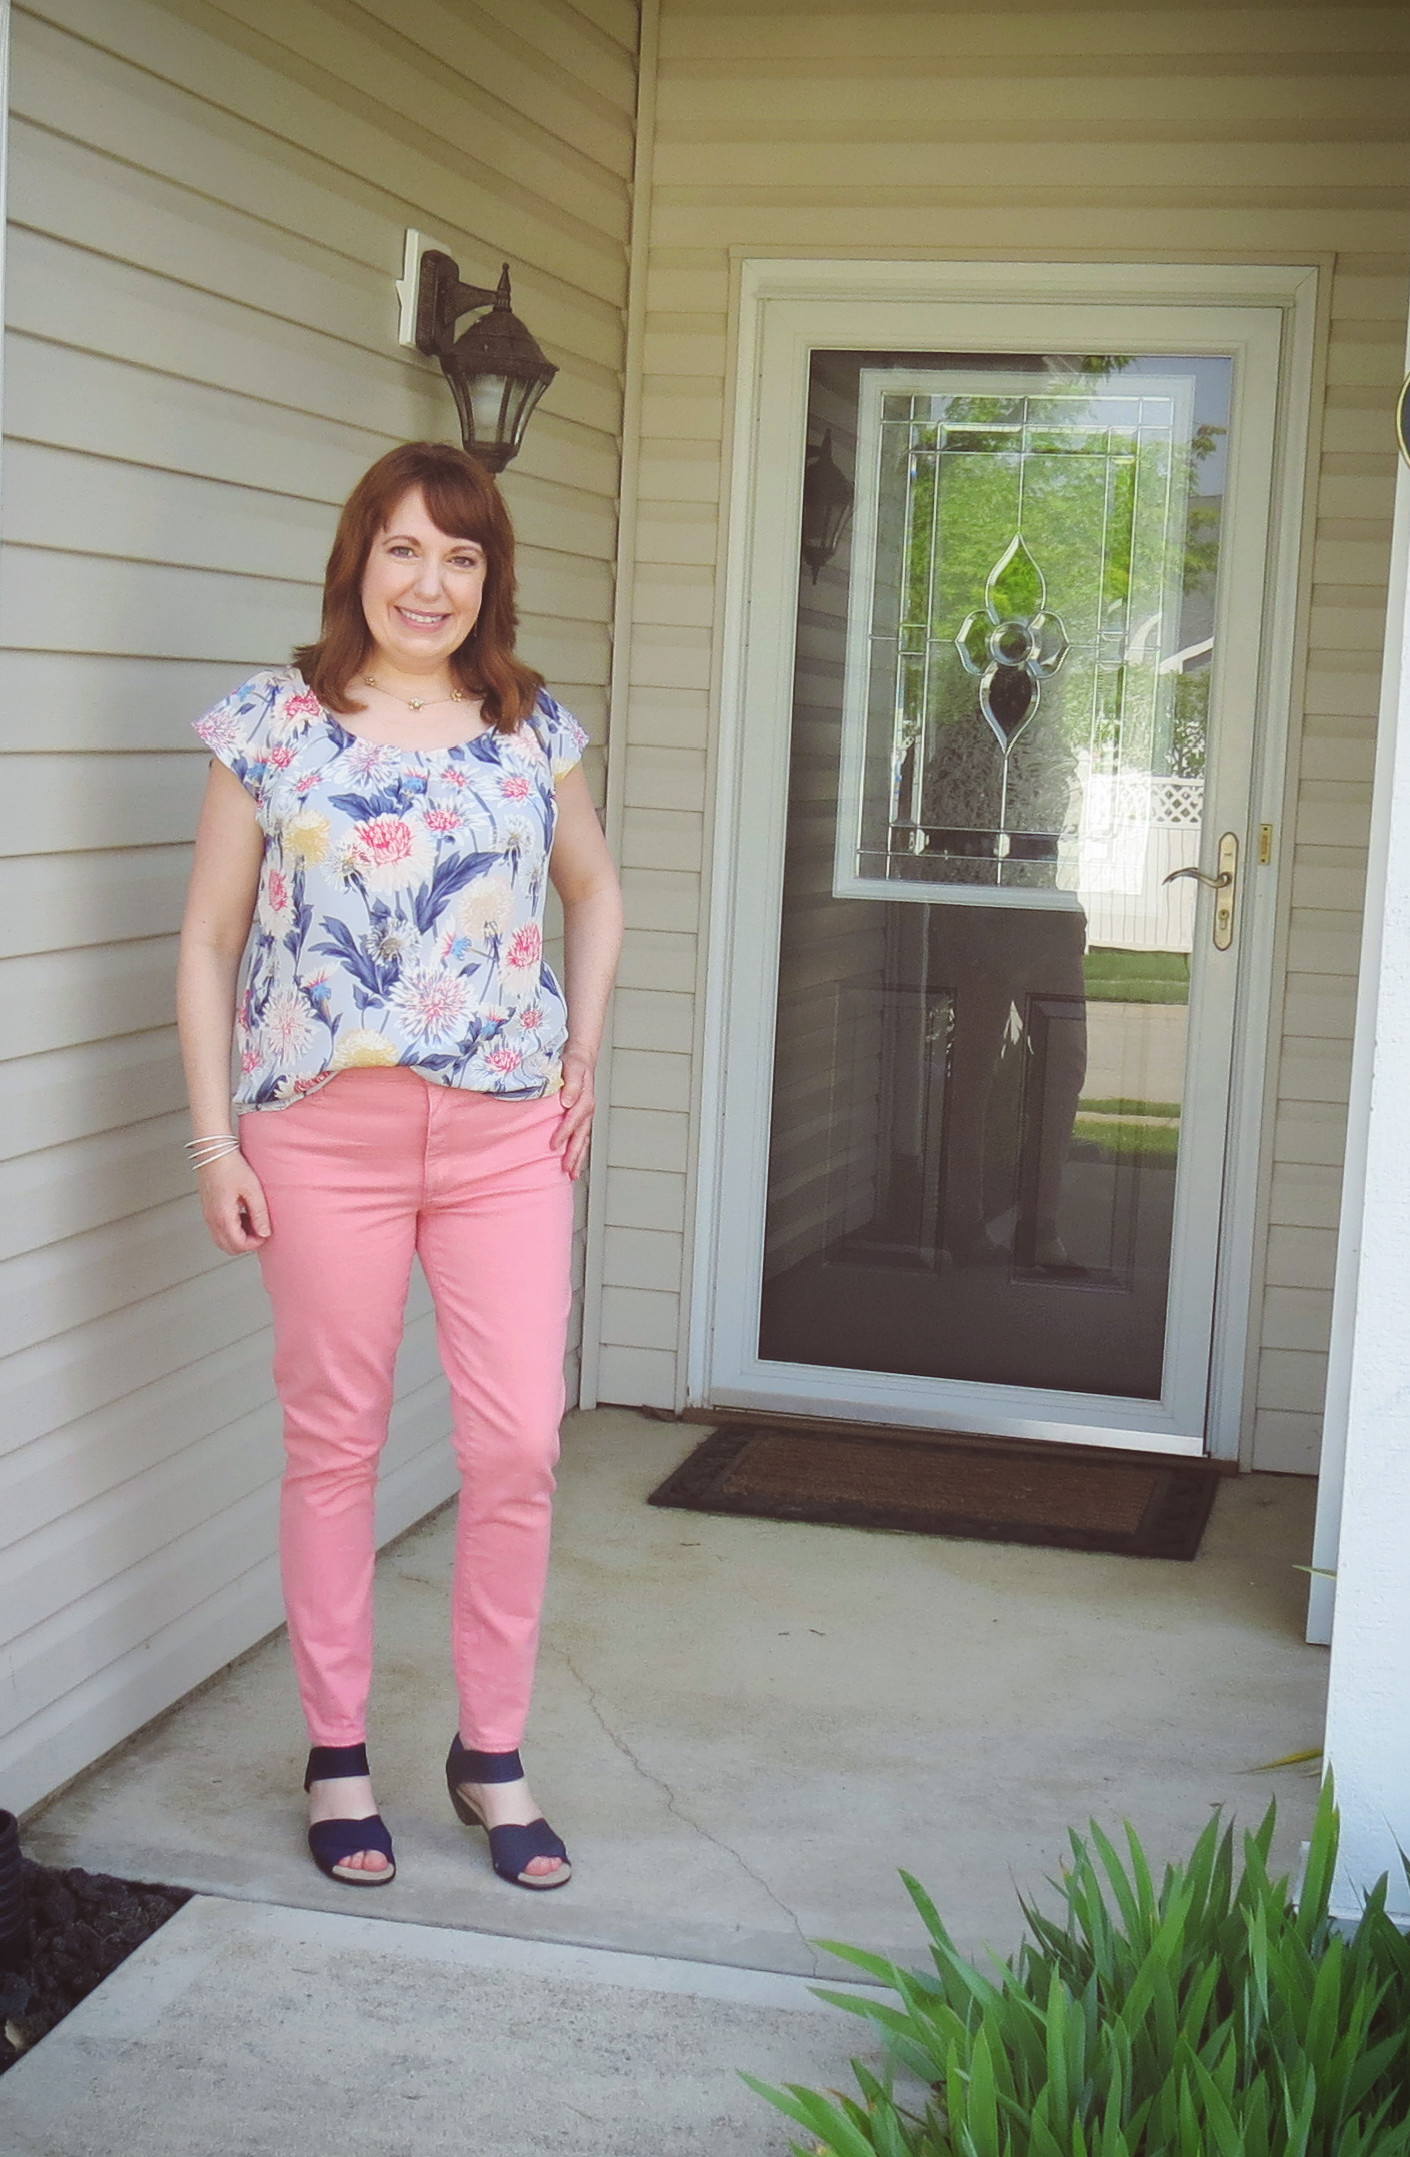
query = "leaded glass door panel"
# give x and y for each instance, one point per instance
(1028, 561)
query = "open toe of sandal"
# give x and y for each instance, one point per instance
(332, 1842)
(513, 1849)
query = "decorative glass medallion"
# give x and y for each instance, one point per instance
(1014, 646)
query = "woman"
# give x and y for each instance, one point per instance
(370, 874)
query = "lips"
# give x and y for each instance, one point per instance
(421, 621)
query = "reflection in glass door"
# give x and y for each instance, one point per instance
(1000, 742)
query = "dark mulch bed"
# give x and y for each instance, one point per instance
(82, 1925)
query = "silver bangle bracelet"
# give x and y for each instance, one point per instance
(200, 1153)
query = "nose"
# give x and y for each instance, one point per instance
(428, 579)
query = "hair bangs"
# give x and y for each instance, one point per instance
(457, 508)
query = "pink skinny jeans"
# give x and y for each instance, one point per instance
(376, 1165)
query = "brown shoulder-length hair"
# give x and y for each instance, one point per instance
(462, 501)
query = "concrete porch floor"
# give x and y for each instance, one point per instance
(744, 1728)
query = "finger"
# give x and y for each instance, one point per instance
(575, 1130)
(256, 1212)
(236, 1221)
(572, 1120)
(576, 1153)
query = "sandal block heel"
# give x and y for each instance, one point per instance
(464, 1810)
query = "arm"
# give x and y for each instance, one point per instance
(586, 882)
(220, 905)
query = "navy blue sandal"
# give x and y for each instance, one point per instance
(333, 1841)
(511, 1848)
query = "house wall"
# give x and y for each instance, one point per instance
(1149, 132)
(207, 212)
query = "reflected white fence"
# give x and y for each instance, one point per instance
(1133, 830)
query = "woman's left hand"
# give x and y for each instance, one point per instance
(578, 1100)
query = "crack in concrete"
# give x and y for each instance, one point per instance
(673, 1805)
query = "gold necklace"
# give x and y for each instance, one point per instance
(416, 704)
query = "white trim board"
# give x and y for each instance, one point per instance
(619, 684)
(891, 305)
(1390, 747)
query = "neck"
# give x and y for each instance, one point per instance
(433, 680)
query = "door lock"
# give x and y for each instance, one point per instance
(1223, 883)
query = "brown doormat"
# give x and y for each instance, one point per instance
(958, 1485)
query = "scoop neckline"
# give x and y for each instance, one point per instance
(397, 748)
(335, 725)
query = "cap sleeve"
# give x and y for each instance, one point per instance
(240, 729)
(563, 739)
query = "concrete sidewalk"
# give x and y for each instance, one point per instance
(240, 2030)
(743, 1728)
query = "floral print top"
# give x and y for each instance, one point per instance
(399, 918)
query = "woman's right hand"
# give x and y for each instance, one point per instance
(233, 1202)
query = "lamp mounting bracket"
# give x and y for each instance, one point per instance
(442, 298)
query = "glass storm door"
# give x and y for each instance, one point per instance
(1014, 860)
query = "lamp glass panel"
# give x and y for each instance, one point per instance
(489, 394)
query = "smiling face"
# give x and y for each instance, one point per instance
(421, 591)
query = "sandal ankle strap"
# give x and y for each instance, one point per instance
(468, 1765)
(333, 1763)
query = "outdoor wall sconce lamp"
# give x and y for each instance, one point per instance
(495, 369)
(827, 505)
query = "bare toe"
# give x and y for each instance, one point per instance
(364, 1861)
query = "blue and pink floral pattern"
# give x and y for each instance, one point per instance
(399, 918)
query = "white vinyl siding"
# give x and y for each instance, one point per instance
(207, 209)
(1150, 133)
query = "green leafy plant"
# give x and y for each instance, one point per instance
(1207, 2016)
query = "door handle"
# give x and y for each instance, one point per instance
(1202, 876)
(1223, 883)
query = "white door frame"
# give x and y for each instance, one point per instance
(805, 301)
